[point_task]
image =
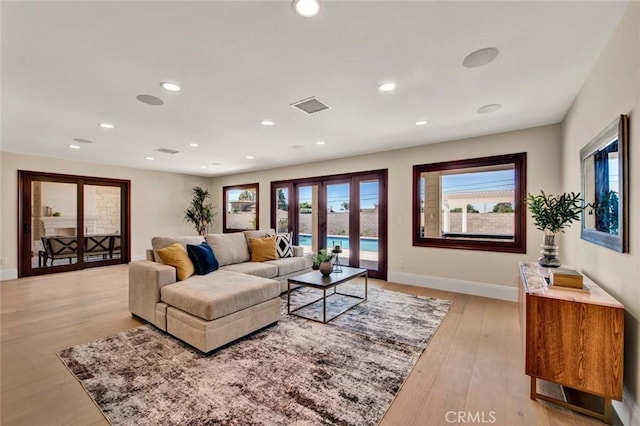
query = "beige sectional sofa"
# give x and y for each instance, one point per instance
(208, 311)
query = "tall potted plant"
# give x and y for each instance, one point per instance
(553, 214)
(200, 213)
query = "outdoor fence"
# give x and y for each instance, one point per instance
(338, 223)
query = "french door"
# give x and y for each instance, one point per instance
(344, 213)
(70, 222)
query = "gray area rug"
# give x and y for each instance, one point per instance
(297, 372)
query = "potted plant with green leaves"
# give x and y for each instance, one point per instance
(322, 261)
(551, 215)
(200, 213)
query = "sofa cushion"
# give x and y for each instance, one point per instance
(203, 258)
(219, 293)
(260, 233)
(176, 255)
(162, 242)
(289, 265)
(258, 269)
(263, 249)
(284, 247)
(229, 248)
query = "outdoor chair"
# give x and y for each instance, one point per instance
(58, 248)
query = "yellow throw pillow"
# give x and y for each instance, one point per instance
(263, 249)
(176, 255)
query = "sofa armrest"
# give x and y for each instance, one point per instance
(298, 251)
(145, 281)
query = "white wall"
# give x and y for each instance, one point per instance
(418, 265)
(613, 88)
(158, 201)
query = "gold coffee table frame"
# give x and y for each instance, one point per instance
(318, 281)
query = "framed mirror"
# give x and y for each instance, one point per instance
(605, 188)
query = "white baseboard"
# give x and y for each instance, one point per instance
(492, 291)
(628, 411)
(8, 274)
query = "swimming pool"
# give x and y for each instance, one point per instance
(366, 243)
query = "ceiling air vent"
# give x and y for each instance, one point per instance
(310, 105)
(167, 150)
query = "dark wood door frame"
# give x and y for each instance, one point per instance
(354, 180)
(25, 179)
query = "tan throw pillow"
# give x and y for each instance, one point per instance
(260, 233)
(176, 255)
(263, 249)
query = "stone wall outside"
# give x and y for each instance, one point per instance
(338, 223)
(483, 223)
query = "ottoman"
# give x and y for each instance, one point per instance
(209, 311)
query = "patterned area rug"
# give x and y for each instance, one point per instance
(297, 372)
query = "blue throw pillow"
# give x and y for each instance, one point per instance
(204, 261)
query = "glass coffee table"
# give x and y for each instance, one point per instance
(315, 279)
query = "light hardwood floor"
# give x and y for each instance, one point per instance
(473, 365)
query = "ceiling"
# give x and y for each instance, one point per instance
(68, 66)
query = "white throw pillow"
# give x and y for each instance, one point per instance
(284, 248)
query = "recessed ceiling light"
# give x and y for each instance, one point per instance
(267, 123)
(148, 158)
(249, 157)
(480, 57)
(421, 122)
(486, 109)
(106, 125)
(74, 146)
(194, 145)
(81, 140)
(150, 100)
(388, 86)
(172, 87)
(306, 8)
(320, 143)
(203, 167)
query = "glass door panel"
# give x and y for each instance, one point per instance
(71, 222)
(282, 210)
(54, 224)
(308, 218)
(338, 230)
(369, 224)
(348, 211)
(102, 223)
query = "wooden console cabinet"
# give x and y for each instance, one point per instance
(571, 338)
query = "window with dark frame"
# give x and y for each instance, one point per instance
(71, 222)
(241, 207)
(347, 210)
(472, 204)
(281, 208)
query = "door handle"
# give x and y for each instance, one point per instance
(26, 228)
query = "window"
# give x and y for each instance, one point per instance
(69, 222)
(241, 207)
(475, 204)
(281, 209)
(345, 210)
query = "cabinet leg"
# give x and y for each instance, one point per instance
(534, 389)
(607, 411)
(604, 415)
